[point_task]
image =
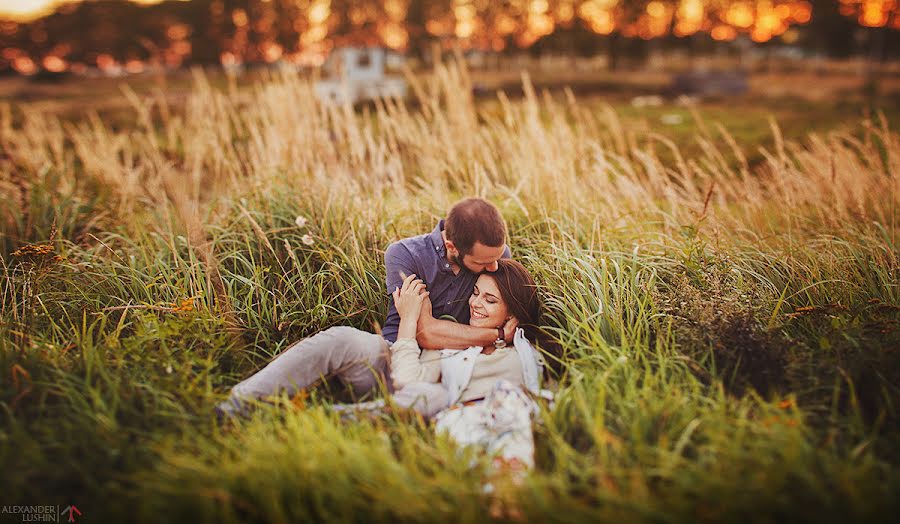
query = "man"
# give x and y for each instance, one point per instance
(448, 260)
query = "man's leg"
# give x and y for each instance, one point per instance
(358, 358)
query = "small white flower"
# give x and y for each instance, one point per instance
(169, 369)
(622, 359)
(307, 239)
(300, 221)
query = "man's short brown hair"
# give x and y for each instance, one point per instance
(474, 220)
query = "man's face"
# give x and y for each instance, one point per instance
(479, 259)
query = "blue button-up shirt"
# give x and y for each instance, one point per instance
(426, 257)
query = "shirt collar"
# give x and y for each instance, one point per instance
(440, 249)
(437, 240)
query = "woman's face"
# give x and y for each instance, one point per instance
(486, 307)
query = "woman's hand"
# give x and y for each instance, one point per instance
(408, 301)
(408, 298)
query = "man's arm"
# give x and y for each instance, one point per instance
(435, 333)
(444, 334)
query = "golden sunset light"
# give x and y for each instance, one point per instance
(26, 10)
(236, 32)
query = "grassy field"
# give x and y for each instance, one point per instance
(728, 303)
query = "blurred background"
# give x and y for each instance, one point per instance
(713, 47)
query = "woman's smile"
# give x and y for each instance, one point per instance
(476, 314)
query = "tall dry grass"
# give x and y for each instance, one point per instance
(542, 152)
(728, 322)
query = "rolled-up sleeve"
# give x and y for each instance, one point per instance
(410, 364)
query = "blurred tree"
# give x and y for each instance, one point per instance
(830, 33)
(114, 33)
(419, 38)
(878, 20)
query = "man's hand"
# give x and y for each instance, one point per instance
(426, 313)
(424, 323)
(509, 329)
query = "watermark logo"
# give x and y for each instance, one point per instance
(41, 513)
(71, 510)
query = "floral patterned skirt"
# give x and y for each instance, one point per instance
(500, 424)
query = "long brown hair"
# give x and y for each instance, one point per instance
(520, 293)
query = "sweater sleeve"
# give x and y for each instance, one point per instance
(398, 263)
(410, 364)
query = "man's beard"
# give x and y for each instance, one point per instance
(455, 260)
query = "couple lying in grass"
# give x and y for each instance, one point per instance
(474, 376)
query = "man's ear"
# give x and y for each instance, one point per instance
(451, 248)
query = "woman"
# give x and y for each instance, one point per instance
(478, 394)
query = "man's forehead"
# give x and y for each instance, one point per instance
(481, 254)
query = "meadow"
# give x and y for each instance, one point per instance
(728, 305)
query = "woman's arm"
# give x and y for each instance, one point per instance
(406, 366)
(408, 299)
(398, 263)
(409, 364)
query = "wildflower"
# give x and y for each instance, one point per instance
(299, 400)
(307, 239)
(186, 305)
(300, 221)
(622, 359)
(169, 369)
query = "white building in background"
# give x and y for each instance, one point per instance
(359, 74)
